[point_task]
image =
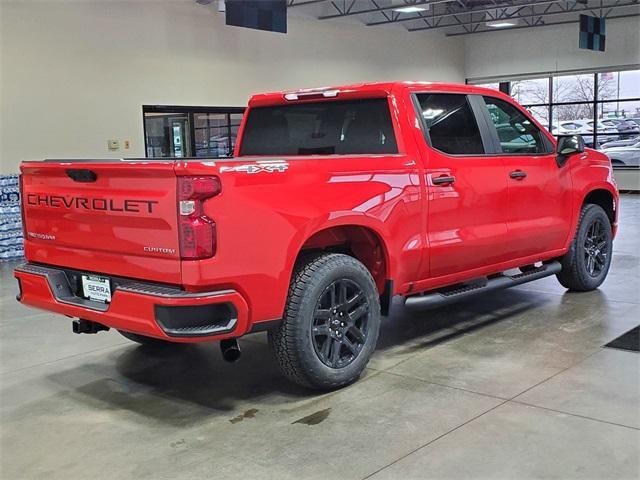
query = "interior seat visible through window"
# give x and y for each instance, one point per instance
(451, 124)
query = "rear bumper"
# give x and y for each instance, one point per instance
(143, 308)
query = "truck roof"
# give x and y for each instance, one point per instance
(360, 90)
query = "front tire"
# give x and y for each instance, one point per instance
(331, 322)
(586, 264)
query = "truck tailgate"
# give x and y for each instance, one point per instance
(118, 218)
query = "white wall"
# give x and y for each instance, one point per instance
(549, 49)
(76, 73)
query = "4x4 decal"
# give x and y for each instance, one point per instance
(258, 167)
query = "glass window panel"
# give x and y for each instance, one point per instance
(492, 86)
(622, 145)
(614, 85)
(188, 132)
(213, 140)
(516, 132)
(540, 113)
(535, 91)
(236, 118)
(573, 88)
(620, 109)
(619, 119)
(320, 128)
(572, 112)
(167, 134)
(451, 123)
(157, 136)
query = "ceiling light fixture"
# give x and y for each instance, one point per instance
(492, 18)
(411, 9)
(501, 24)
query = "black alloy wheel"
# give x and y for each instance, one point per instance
(340, 323)
(596, 248)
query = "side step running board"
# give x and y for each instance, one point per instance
(446, 296)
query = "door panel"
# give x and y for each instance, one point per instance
(540, 206)
(466, 219)
(539, 193)
(466, 226)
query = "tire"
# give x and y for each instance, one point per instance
(586, 264)
(332, 298)
(143, 340)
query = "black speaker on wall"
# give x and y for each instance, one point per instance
(592, 33)
(270, 15)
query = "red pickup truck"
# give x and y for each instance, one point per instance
(337, 200)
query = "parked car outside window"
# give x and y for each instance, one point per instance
(627, 156)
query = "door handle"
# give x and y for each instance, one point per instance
(444, 180)
(518, 174)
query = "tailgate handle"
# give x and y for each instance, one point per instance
(82, 175)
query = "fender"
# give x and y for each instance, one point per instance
(580, 198)
(342, 219)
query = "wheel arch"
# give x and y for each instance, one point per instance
(605, 199)
(361, 240)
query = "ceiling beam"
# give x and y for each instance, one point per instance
(475, 10)
(302, 3)
(382, 9)
(628, 15)
(575, 10)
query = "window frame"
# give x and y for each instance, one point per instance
(485, 133)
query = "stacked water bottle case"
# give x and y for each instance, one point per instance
(10, 220)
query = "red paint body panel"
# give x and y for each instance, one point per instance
(128, 311)
(106, 241)
(431, 236)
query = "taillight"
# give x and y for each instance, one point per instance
(197, 232)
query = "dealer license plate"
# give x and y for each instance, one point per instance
(96, 288)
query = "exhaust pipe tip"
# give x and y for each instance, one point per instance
(230, 350)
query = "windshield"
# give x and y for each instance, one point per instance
(320, 128)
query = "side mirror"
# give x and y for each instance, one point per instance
(568, 145)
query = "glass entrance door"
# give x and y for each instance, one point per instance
(167, 135)
(180, 144)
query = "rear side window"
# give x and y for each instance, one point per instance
(451, 123)
(517, 134)
(320, 128)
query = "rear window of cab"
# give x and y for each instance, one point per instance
(320, 128)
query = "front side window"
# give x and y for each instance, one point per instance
(517, 134)
(451, 123)
(320, 128)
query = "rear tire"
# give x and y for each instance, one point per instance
(331, 322)
(143, 340)
(586, 264)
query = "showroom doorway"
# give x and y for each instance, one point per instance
(181, 131)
